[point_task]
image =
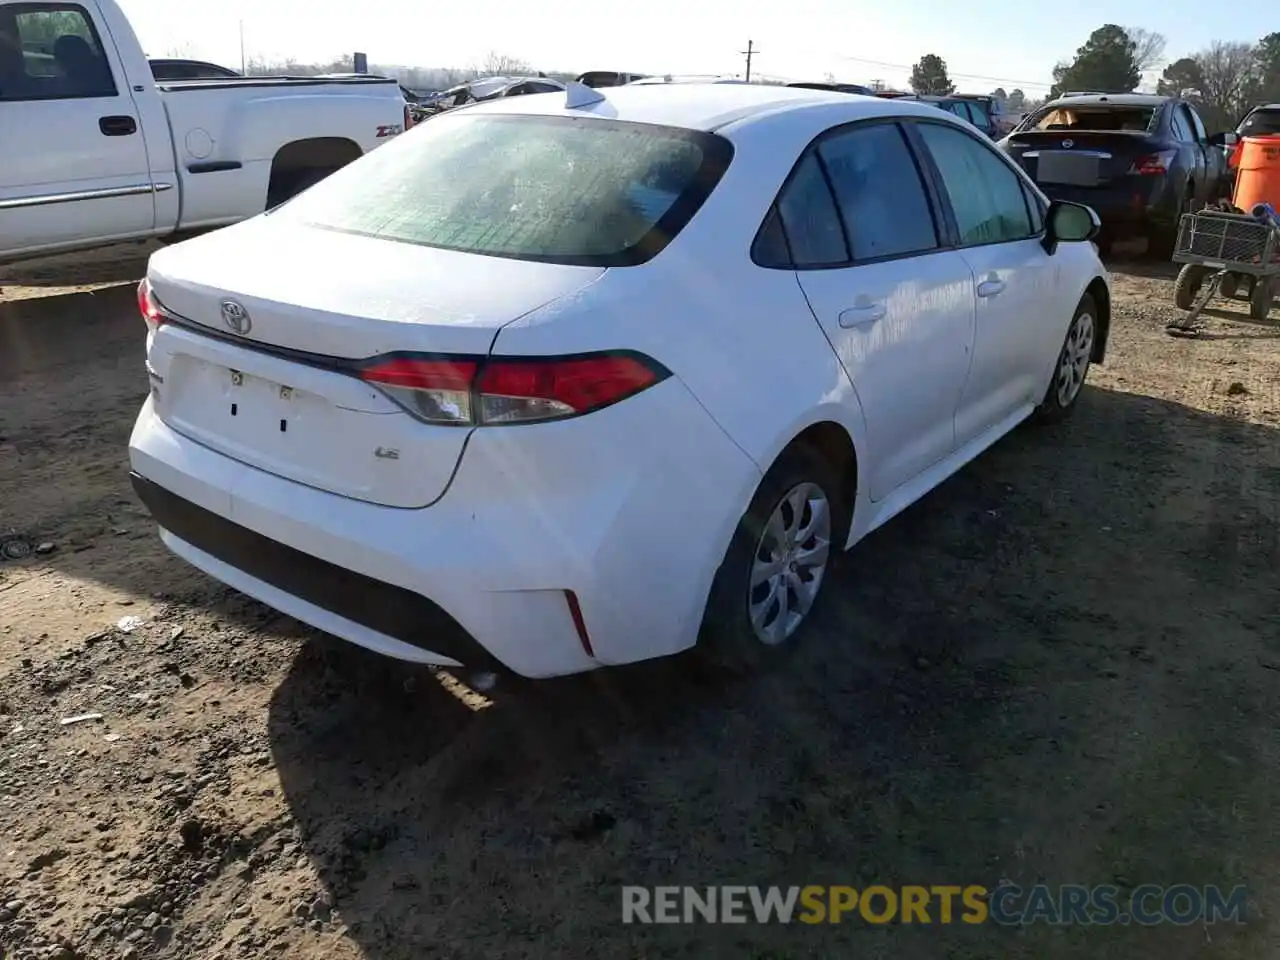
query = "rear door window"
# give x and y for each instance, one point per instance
(809, 217)
(879, 192)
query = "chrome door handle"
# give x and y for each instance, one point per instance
(989, 288)
(862, 316)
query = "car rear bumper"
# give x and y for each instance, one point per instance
(1128, 208)
(633, 523)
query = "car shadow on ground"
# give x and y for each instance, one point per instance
(122, 263)
(1061, 666)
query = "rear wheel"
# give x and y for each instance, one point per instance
(773, 573)
(1190, 279)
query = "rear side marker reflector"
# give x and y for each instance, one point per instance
(470, 391)
(579, 624)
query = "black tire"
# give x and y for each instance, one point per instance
(1163, 239)
(727, 637)
(1190, 279)
(1053, 408)
(1229, 287)
(1260, 298)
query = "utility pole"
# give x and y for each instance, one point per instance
(749, 53)
(242, 60)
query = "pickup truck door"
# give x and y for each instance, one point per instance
(74, 166)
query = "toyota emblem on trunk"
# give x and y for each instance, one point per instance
(1068, 144)
(236, 317)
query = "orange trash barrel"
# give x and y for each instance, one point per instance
(1258, 173)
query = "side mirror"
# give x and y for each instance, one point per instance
(1224, 140)
(1069, 223)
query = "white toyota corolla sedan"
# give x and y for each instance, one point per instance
(579, 379)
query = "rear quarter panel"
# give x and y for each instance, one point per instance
(741, 337)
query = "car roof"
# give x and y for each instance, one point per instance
(702, 106)
(1114, 99)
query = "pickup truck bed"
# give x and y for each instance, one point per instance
(96, 151)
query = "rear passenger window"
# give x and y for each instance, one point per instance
(809, 217)
(770, 248)
(879, 192)
(986, 195)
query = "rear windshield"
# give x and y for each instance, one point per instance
(1093, 117)
(554, 189)
(1260, 123)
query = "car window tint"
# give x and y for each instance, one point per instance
(1036, 207)
(1188, 121)
(986, 195)
(554, 189)
(879, 192)
(1180, 130)
(51, 51)
(770, 247)
(810, 219)
(1200, 132)
(1261, 122)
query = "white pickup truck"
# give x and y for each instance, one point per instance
(93, 150)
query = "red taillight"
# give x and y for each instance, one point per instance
(466, 391)
(517, 390)
(1151, 165)
(148, 306)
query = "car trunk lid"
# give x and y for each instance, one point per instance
(1079, 158)
(271, 324)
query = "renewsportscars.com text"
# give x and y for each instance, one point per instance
(1007, 904)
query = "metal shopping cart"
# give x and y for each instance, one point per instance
(1236, 254)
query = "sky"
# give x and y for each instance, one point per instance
(986, 43)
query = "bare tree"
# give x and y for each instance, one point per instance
(1227, 71)
(502, 65)
(181, 51)
(1148, 47)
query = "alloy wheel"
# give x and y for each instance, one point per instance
(1074, 363)
(789, 563)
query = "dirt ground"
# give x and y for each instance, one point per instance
(1062, 666)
